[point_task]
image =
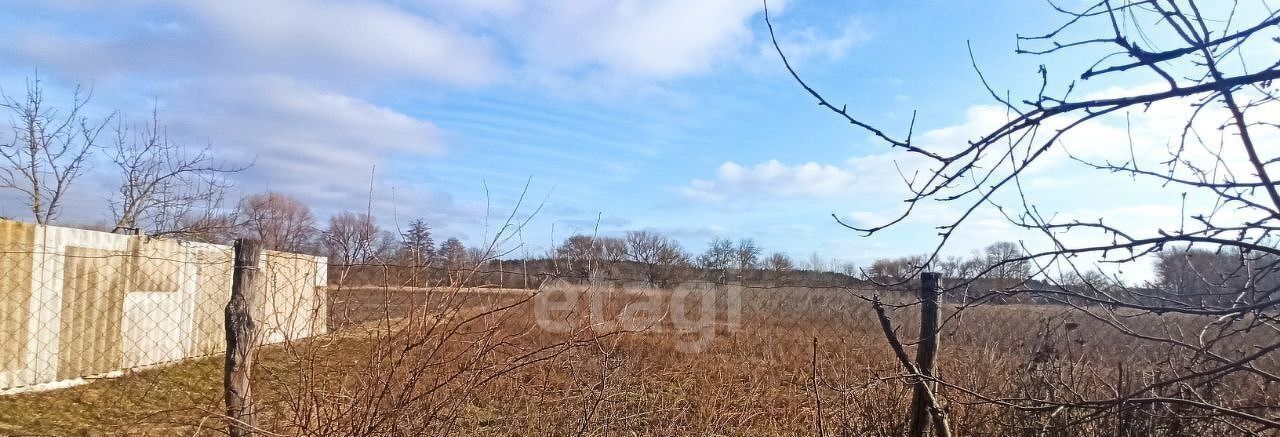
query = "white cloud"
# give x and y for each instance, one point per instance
(634, 39)
(814, 44)
(979, 120)
(291, 83)
(1058, 188)
(581, 48)
(359, 38)
(774, 179)
(303, 140)
(337, 41)
(470, 11)
(865, 219)
(1148, 136)
(880, 173)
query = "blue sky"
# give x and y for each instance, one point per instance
(670, 115)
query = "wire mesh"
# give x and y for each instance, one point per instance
(82, 304)
(532, 347)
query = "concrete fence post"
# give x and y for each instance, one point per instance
(241, 339)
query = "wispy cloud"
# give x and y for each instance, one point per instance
(308, 142)
(634, 39)
(815, 44)
(320, 40)
(774, 179)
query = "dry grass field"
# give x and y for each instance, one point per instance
(478, 362)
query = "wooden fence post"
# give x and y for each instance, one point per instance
(241, 339)
(926, 352)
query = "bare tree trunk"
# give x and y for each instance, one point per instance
(926, 352)
(241, 338)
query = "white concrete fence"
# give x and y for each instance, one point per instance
(77, 304)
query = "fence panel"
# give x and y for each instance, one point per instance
(77, 304)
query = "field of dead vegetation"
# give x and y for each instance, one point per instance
(584, 361)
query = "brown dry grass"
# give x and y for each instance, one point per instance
(757, 380)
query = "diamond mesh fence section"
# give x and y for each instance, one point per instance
(81, 304)
(511, 348)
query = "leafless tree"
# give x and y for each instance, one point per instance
(355, 238)
(217, 228)
(719, 257)
(959, 268)
(778, 266)
(475, 256)
(848, 268)
(1212, 63)
(588, 257)
(453, 254)
(894, 270)
(817, 263)
(165, 187)
(579, 256)
(49, 147)
(613, 250)
(779, 262)
(1207, 277)
(1002, 259)
(746, 254)
(281, 222)
(660, 257)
